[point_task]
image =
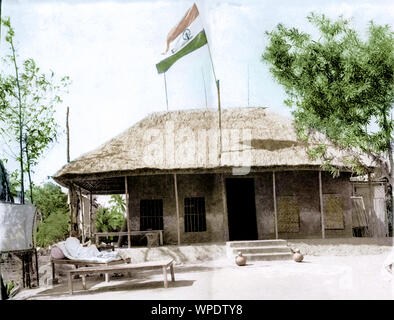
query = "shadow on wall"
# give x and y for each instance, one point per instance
(342, 246)
(180, 254)
(271, 144)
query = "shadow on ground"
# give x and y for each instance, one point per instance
(137, 280)
(94, 287)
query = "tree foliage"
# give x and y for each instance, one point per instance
(112, 218)
(28, 99)
(340, 85)
(52, 206)
(5, 190)
(49, 198)
(53, 229)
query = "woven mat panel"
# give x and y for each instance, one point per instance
(334, 205)
(288, 214)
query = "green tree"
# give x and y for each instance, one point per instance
(27, 102)
(5, 190)
(52, 229)
(49, 198)
(341, 85)
(52, 205)
(112, 218)
(117, 203)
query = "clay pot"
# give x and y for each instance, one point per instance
(240, 259)
(297, 256)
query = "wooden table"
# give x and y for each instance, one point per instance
(163, 264)
(125, 233)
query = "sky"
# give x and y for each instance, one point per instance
(109, 50)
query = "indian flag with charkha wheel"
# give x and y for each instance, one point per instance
(188, 35)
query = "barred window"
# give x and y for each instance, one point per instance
(195, 215)
(151, 214)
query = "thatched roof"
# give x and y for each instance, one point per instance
(189, 140)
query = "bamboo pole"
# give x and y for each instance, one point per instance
(275, 206)
(68, 160)
(323, 222)
(127, 211)
(68, 134)
(177, 209)
(0, 41)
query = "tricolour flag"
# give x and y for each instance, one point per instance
(187, 36)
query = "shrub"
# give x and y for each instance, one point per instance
(53, 229)
(52, 205)
(9, 286)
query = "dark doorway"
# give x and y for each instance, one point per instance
(241, 209)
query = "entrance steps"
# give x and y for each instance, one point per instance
(259, 250)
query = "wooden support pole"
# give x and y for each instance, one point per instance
(275, 207)
(82, 213)
(71, 207)
(90, 215)
(177, 209)
(323, 222)
(372, 217)
(127, 211)
(225, 212)
(2, 287)
(37, 273)
(23, 271)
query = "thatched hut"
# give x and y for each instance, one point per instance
(250, 179)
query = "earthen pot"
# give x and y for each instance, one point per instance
(297, 256)
(240, 259)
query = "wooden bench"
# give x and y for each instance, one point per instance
(78, 263)
(164, 264)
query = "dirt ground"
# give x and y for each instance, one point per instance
(317, 277)
(332, 269)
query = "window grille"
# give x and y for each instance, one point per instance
(195, 215)
(151, 214)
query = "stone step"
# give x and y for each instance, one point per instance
(272, 249)
(267, 256)
(256, 243)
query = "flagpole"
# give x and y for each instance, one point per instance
(165, 86)
(210, 57)
(219, 107)
(205, 89)
(248, 84)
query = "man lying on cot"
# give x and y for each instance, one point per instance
(73, 249)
